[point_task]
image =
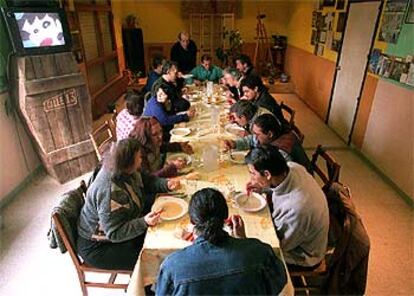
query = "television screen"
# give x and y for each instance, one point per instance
(38, 30)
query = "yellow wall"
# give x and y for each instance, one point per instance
(161, 20)
(300, 26)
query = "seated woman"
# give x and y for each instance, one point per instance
(217, 263)
(159, 107)
(127, 118)
(266, 130)
(148, 132)
(112, 223)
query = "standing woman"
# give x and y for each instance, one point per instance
(159, 106)
(112, 224)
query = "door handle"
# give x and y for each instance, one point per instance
(338, 68)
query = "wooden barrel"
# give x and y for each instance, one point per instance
(55, 106)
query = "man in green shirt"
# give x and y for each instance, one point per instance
(206, 71)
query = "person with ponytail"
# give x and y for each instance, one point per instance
(217, 263)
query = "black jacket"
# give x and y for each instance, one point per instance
(186, 59)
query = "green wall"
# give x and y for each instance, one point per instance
(405, 43)
(5, 49)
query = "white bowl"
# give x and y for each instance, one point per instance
(254, 203)
(238, 157)
(180, 131)
(173, 208)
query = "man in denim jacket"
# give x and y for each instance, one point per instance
(218, 264)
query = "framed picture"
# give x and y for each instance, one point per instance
(410, 14)
(328, 3)
(340, 25)
(322, 36)
(391, 26)
(314, 37)
(319, 51)
(396, 5)
(340, 4)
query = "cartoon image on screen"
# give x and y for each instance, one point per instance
(40, 29)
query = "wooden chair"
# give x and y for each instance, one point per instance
(65, 222)
(332, 167)
(286, 109)
(298, 133)
(102, 137)
(340, 210)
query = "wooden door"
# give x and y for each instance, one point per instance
(207, 29)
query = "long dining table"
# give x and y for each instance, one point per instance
(206, 135)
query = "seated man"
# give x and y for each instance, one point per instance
(256, 92)
(184, 52)
(206, 71)
(244, 113)
(157, 61)
(299, 207)
(169, 78)
(216, 263)
(232, 78)
(245, 66)
(266, 130)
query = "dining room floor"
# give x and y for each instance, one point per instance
(30, 267)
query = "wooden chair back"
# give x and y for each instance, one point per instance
(298, 133)
(82, 267)
(291, 112)
(340, 209)
(331, 174)
(102, 137)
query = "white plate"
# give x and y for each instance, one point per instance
(238, 157)
(180, 132)
(173, 208)
(185, 156)
(233, 129)
(254, 203)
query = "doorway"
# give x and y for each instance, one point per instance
(351, 66)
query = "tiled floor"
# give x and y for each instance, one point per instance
(30, 267)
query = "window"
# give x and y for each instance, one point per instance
(98, 39)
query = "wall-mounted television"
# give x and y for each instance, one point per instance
(37, 30)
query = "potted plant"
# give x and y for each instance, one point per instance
(232, 47)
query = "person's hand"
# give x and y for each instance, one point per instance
(238, 227)
(191, 112)
(186, 148)
(229, 144)
(231, 118)
(231, 100)
(173, 184)
(244, 98)
(153, 218)
(179, 163)
(185, 90)
(250, 187)
(242, 133)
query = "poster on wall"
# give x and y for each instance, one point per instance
(340, 26)
(391, 26)
(410, 14)
(374, 59)
(396, 5)
(314, 37)
(340, 4)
